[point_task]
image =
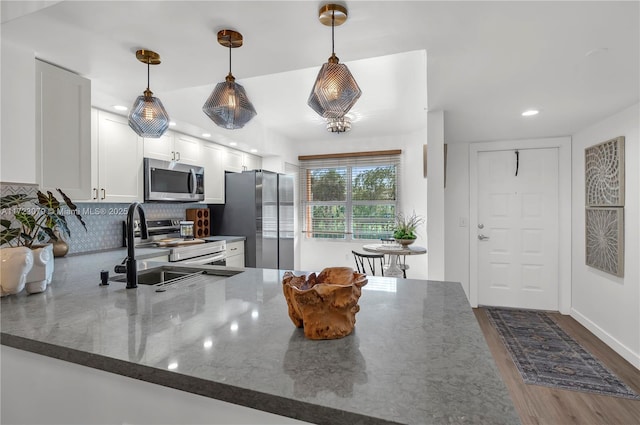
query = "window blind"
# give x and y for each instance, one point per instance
(349, 197)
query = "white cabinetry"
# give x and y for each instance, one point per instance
(173, 147)
(233, 160)
(116, 172)
(235, 254)
(238, 161)
(63, 131)
(211, 159)
(251, 162)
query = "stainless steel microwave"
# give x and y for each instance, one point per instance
(170, 181)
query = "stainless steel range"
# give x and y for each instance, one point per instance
(166, 233)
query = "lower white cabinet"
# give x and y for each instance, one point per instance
(235, 254)
(116, 163)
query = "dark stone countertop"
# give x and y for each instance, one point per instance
(417, 355)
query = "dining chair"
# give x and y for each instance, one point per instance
(362, 259)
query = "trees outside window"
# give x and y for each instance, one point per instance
(350, 200)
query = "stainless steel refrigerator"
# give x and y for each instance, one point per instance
(260, 206)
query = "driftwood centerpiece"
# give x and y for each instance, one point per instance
(326, 304)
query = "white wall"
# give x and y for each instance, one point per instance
(607, 305)
(18, 144)
(456, 219)
(318, 254)
(435, 195)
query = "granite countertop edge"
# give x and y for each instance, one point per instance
(228, 239)
(278, 405)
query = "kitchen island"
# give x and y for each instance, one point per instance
(417, 355)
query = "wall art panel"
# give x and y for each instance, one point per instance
(604, 174)
(604, 230)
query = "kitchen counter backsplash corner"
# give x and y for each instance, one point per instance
(104, 223)
(103, 220)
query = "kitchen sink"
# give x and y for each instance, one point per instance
(166, 275)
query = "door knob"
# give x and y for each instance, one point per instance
(480, 226)
(483, 237)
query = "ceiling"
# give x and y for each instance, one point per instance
(577, 61)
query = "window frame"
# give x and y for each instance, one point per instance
(308, 164)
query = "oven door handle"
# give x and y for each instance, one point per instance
(205, 260)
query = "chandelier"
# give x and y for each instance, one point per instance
(338, 125)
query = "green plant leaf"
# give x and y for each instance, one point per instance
(8, 235)
(5, 223)
(13, 200)
(26, 219)
(48, 200)
(73, 208)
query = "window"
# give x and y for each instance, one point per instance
(350, 197)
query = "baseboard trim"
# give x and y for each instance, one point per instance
(617, 346)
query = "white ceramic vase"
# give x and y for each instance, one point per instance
(42, 271)
(15, 263)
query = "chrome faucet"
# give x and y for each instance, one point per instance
(130, 266)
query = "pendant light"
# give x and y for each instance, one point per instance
(228, 105)
(335, 90)
(147, 117)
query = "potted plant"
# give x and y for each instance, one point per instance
(405, 228)
(39, 224)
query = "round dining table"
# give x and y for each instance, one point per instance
(394, 250)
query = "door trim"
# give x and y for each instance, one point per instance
(563, 144)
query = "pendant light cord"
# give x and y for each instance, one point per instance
(333, 19)
(148, 66)
(229, 54)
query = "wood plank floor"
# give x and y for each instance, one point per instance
(541, 405)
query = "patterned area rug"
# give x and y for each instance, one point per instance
(546, 355)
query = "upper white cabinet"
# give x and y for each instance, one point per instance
(212, 159)
(238, 161)
(173, 147)
(251, 162)
(117, 165)
(63, 131)
(187, 149)
(233, 160)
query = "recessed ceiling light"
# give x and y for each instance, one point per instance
(530, 113)
(254, 150)
(233, 144)
(120, 108)
(206, 134)
(172, 123)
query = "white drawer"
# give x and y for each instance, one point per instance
(235, 248)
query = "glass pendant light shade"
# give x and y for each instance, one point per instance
(147, 116)
(335, 90)
(228, 105)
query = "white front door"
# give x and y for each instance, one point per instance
(517, 229)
